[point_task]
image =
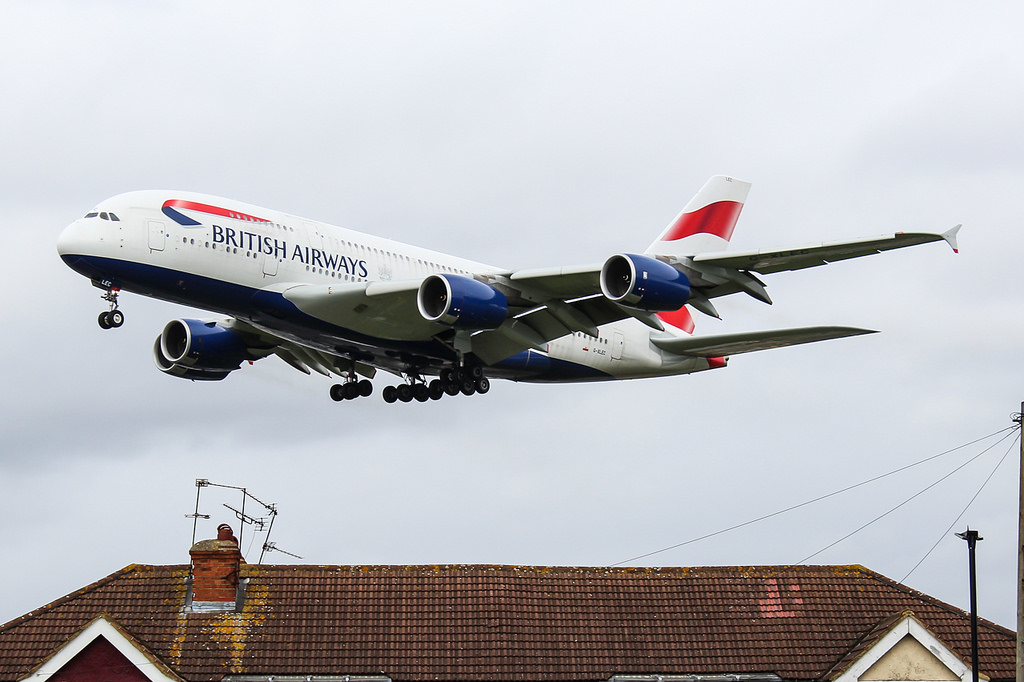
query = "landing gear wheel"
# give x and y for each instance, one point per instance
(115, 317)
(365, 388)
(337, 393)
(390, 394)
(404, 392)
(350, 390)
(451, 388)
(468, 387)
(436, 388)
(483, 385)
(104, 320)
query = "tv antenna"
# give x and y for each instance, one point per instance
(258, 524)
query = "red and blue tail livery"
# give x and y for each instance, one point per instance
(353, 306)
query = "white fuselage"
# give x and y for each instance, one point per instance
(217, 254)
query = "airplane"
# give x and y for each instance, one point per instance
(338, 302)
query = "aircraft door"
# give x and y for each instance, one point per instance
(269, 264)
(157, 235)
(316, 237)
(618, 342)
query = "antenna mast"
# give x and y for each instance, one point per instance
(244, 518)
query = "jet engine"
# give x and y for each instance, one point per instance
(644, 282)
(461, 302)
(197, 350)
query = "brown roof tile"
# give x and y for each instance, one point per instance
(503, 622)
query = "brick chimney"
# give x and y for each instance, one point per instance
(215, 568)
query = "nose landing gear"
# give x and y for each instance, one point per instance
(113, 318)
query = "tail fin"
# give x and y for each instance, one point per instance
(705, 224)
(707, 221)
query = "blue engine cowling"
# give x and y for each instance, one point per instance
(461, 302)
(197, 350)
(644, 282)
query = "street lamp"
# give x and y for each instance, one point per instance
(972, 538)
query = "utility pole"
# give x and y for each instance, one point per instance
(1020, 553)
(972, 538)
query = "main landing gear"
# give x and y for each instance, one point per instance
(351, 389)
(464, 380)
(113, 318)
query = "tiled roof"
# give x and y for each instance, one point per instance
(504, 622)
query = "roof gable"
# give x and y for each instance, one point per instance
(909, 659)
(905, 651)
(102, 651)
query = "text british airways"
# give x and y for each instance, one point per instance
(279, 248)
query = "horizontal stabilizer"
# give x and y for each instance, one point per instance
(721, 345)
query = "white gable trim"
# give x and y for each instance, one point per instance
(101, 627)
(908, 625)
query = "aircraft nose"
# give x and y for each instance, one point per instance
(75, 244)
(73, 240)
(69, 236)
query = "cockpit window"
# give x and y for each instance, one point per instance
(91, 214)
(113, 217)
(104, 216)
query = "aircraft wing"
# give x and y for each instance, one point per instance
(561, 301)
(543, 305)
(720, 345)
(548, 303)
(723, 273)
(766, 262)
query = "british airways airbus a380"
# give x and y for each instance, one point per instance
(335, 301)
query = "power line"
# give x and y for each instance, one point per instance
(945, 533)
(812, 501)
(904, 502)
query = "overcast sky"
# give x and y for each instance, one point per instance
(527, 135)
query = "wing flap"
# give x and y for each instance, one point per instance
(305, 359)
(720, 345)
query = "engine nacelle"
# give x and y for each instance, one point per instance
(461, 302)
(644, 282)
(193, 349)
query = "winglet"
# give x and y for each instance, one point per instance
(950, 237)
